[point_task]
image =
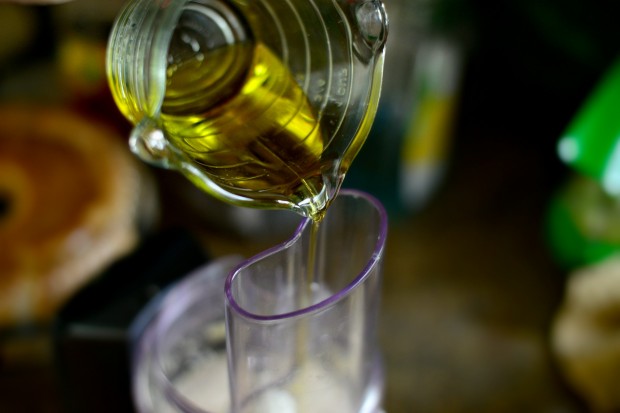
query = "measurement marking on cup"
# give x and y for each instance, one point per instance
(342, 82)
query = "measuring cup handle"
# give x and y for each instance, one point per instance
(371, 21)
(148, 141)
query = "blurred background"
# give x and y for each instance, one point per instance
(463, 154)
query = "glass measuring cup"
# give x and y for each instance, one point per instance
(284, 354)
(260, 103)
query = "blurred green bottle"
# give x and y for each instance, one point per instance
(584, 217)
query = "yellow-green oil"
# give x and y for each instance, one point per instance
(238, 114)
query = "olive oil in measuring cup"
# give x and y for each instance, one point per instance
(249, 128)
(261, 104)
(243, 121)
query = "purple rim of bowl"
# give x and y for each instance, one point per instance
(372, 262)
